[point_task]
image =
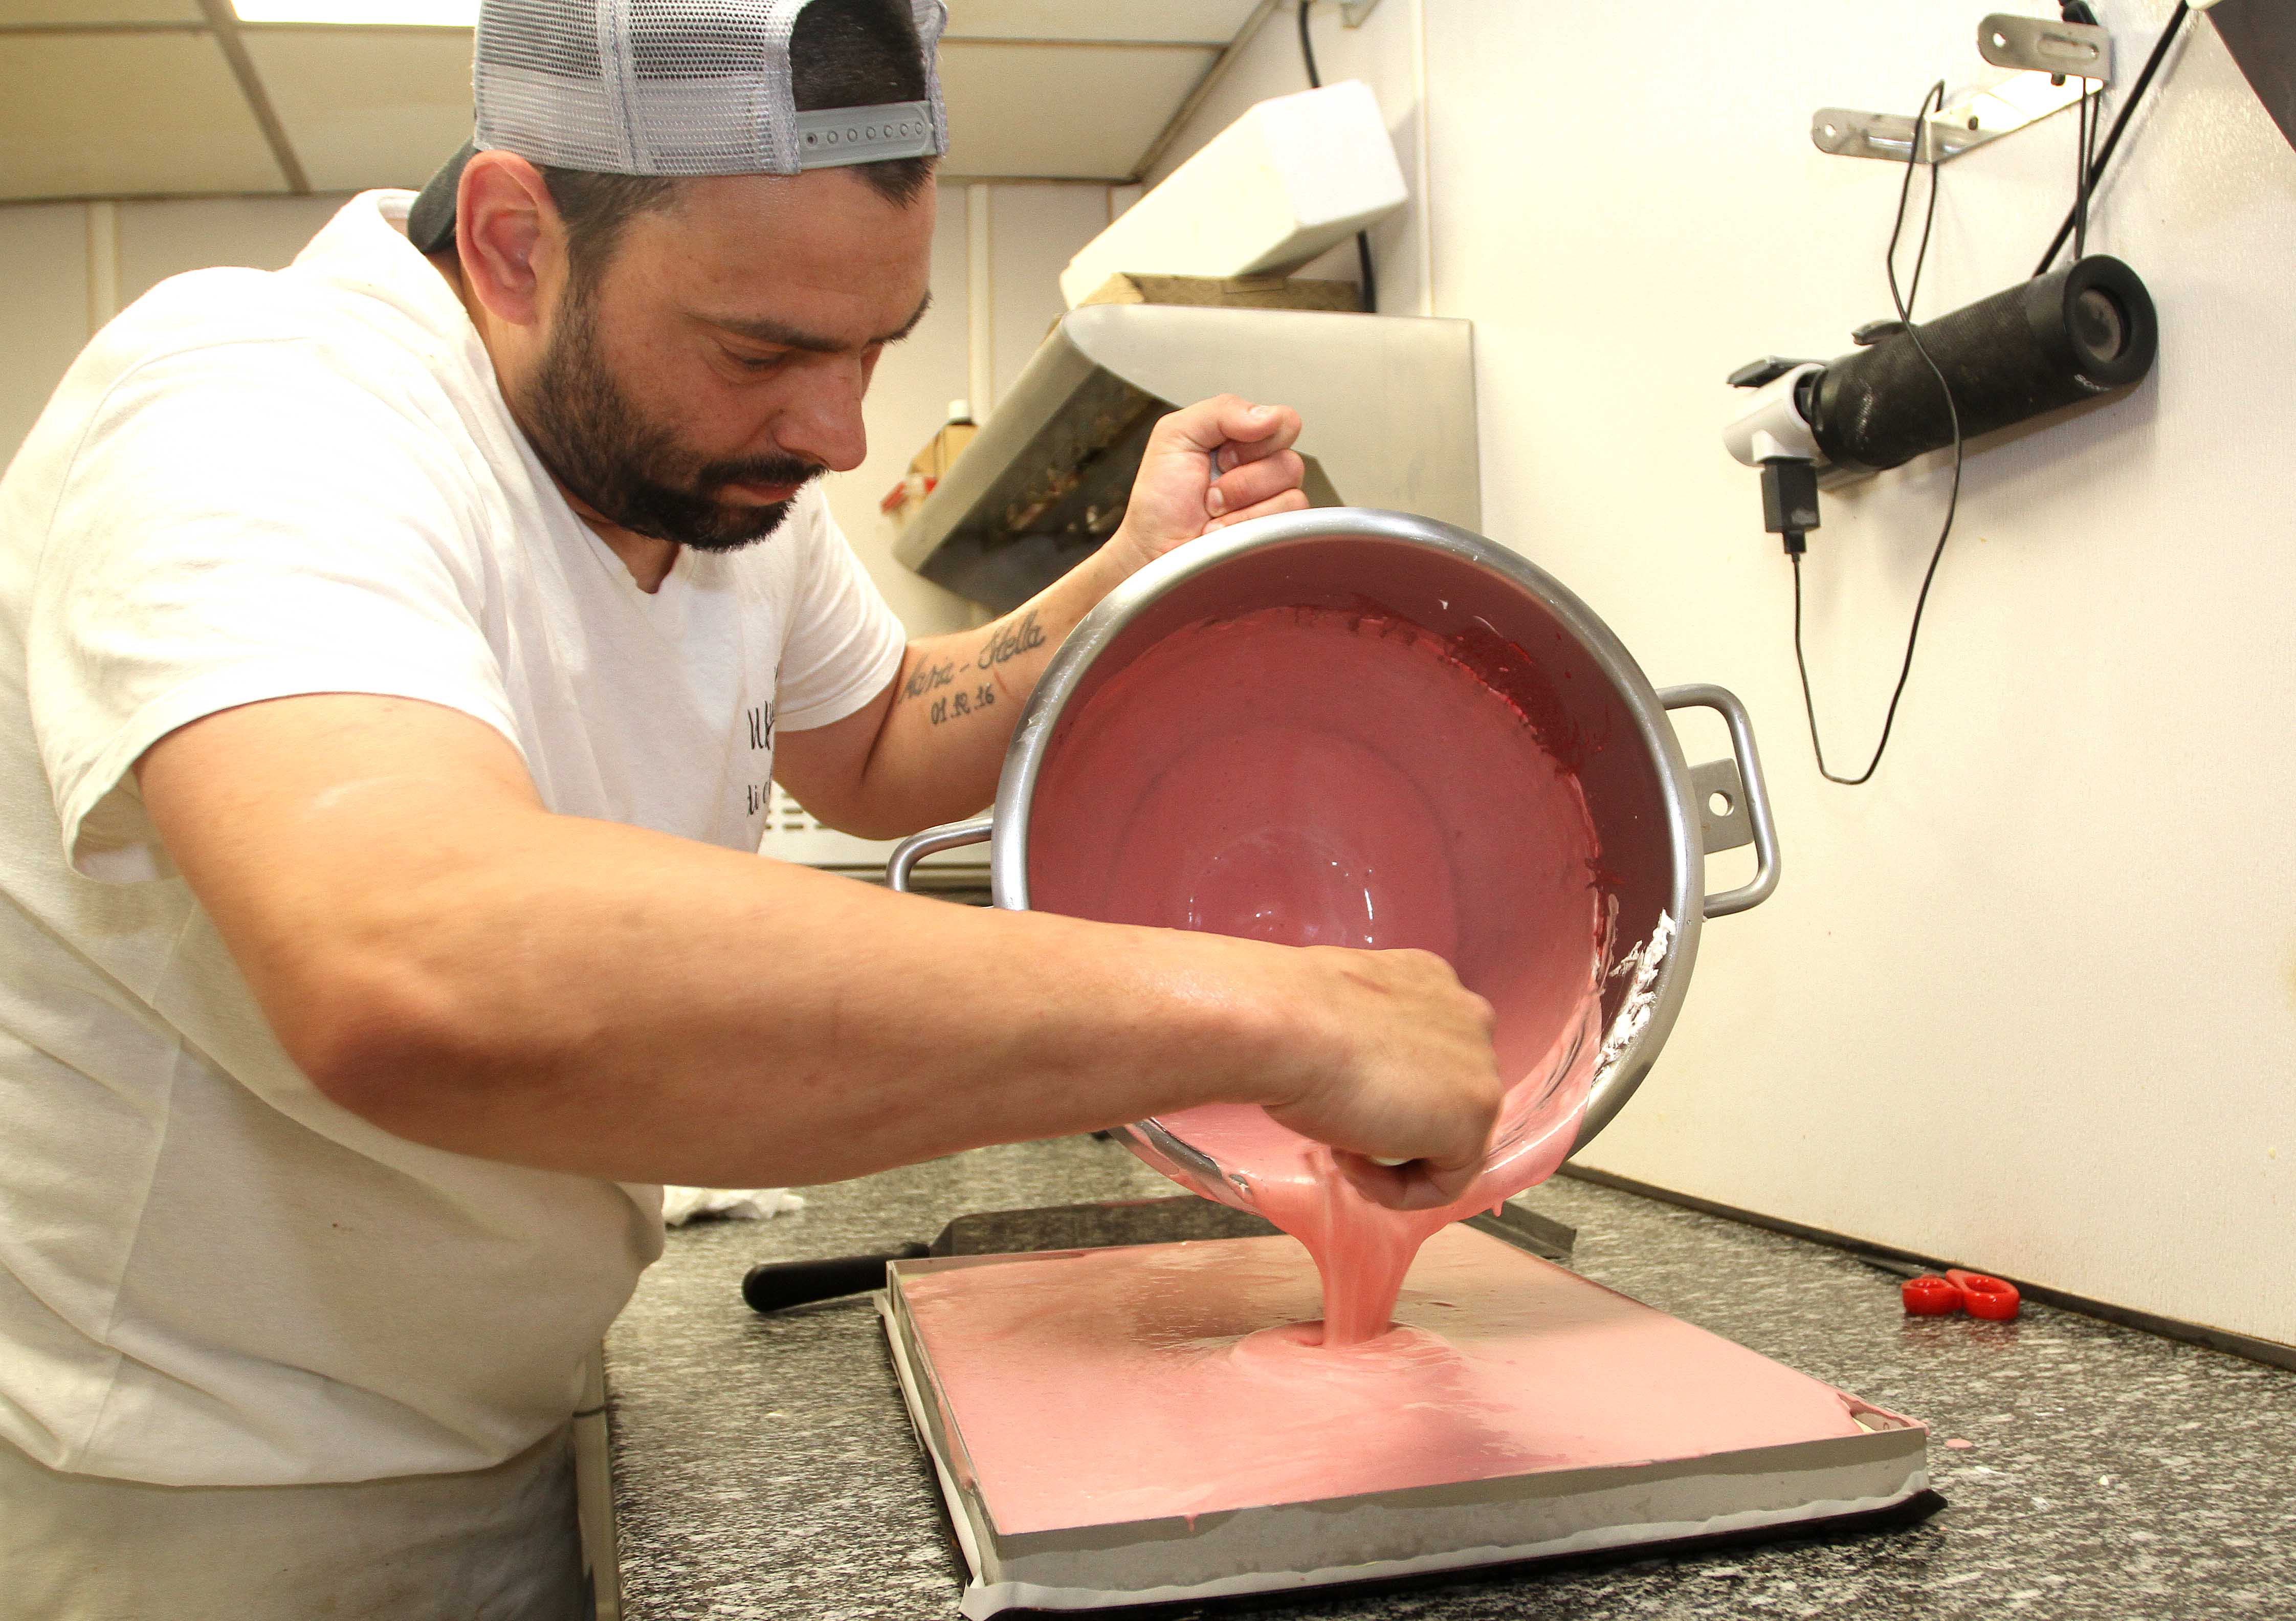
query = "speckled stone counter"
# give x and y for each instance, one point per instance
(764, 1468)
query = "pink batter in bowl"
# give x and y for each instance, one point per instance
(1361, 728)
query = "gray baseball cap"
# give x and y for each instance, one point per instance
(668, 88)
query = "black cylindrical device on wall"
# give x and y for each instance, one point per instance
(2059, 339)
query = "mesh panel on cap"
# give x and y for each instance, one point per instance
(541, 86)
(931, 16)
(654, 86)
(699, 87)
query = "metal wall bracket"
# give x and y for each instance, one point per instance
(2052, 66)
(1353, 12)
(2035, 45)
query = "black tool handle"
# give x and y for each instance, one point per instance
(787, 1283)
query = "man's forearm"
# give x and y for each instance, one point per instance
(958, 697)
(858, 1031)
(446, 959)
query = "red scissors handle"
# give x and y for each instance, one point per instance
(1931, 1296)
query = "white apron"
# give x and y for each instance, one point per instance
(497, 1544)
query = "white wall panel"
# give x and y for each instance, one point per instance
(43, 318)
(157, 240)
(1035, 230)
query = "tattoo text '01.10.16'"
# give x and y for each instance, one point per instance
(959, 704)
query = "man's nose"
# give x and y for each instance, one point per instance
(823, 423)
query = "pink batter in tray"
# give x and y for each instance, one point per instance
(1123, 1426)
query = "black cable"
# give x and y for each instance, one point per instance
(1904, 305)
(2088, 176)
(1363, 238)
(1929, 213)
(2089, 113)
(2081, 158)
(2096, 170)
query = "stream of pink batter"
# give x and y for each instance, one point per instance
(1333, 777)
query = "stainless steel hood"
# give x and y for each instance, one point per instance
(1387, 401)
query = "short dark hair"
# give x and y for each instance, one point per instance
(842, 53)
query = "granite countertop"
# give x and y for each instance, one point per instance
(765, 1468)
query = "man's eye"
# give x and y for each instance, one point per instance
(754, 363)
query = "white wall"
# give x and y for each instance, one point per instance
(66, 266)
(157, 240)
(1033, 231)
(2031, 998)
(43, 315)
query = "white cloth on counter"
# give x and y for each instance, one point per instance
(680, 1206)
(249, 486)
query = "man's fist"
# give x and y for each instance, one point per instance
(1395, 1065)
(1178, 494)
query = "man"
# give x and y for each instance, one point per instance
(396, 649)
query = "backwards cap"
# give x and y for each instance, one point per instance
(668, 88)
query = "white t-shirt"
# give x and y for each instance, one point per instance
(252, 485)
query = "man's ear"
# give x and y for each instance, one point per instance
(509, 237)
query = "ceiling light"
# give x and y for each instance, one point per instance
(422, 13)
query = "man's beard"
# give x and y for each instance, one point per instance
(632, 471)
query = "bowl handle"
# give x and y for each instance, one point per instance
(917, 846)
(1755, 794)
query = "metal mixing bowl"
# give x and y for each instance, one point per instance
(1657, 817)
